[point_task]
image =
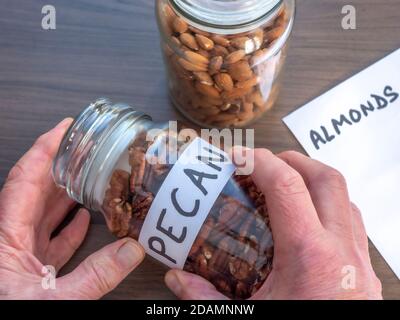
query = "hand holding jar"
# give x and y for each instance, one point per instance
(321, 247)
(190, 212)
(288, 231)
(312, 219)
(31, 253)
(319, 238)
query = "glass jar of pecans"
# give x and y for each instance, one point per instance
(224, 58)
(174, 192)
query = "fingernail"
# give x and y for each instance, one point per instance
(65, 123)
(241, 150)
(83, 214)
(173, 283)
(243, 158)
(130, 254)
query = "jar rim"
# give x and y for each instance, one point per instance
(231, 15)
(83, 141)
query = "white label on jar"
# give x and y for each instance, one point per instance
(184, 201)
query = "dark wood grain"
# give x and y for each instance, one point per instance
(111, 48)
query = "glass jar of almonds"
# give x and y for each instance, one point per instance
(171, 190)
(224, 58)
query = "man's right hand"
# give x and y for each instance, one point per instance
(321, 247)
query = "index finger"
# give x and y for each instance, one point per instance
(291, 210)
(328, 190)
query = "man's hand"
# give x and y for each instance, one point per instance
(321, 247)
(31, 208)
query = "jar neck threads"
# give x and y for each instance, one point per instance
(84, 148)
(232, 17)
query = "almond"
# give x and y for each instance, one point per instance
(258, 57)
(245, 117)
(169, 13)
(198, 31)
(235, 94)
(275, 33)
(204, 53)
(204, 42)
(258, 38)
(248, 107)
(206, 90)
(241, 42)
(224, 81)
(169, 20)
(240, 71)
(191, 66)
(234, 108)
(220, 51)
(248, 83)
(212, 111)
(235, 56)
(180, 71)
(220, 40)
(204, 78)
(196, 58)
(257, 99)
(210, 101)
(215, 65)
(176, 41)
(189, 41)
(225, 106)
(282, 18)
(179, 25)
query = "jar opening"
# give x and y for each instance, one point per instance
(83, 141)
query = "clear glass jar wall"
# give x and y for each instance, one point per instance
(224, 59)
(103, 162)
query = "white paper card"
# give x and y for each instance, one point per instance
(355, 128)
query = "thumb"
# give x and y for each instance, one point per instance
(188, 286)
(102, 271)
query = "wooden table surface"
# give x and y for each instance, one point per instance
(110, 48)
